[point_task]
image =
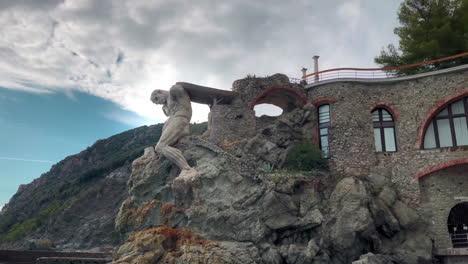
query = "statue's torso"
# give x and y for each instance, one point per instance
(179, 106)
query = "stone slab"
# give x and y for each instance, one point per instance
(205, 95)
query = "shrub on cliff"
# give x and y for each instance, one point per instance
(305, 156)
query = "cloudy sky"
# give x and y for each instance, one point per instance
(70, 54)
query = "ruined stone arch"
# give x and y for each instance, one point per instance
(286, 98)
(434, 110)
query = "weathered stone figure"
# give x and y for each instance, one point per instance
(176, 106)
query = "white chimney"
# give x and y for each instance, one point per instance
(316, 67)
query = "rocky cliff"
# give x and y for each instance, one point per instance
(242, 211)
(247, 206)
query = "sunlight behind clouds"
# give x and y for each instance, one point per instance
(123, 50)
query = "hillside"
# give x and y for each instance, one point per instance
(75, 203)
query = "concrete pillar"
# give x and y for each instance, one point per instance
(304, 72)
(316, 67)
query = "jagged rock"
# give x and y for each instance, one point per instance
(40, 244)
(352, 222)
(272, 255)
(349, 201)
(166, 245)
(388, 196)
(405, 215)
(384, 219)
(371, 258)
(416, 248)
(295, 254)
(279, 210)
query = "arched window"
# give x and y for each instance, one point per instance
(384, 131)
(324, 124)
(449, 127)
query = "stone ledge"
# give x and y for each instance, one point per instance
(72, 260)
(452, 252)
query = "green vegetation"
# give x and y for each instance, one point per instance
(198, 129)
(266, 168)
(21, 229)
(305, 156)
(66, 186)
(65, 183)
(430, 29)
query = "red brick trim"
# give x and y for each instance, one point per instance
(439, 167)
(316, 136)
(324, 100)
(301, 97)
(387, 106)
(434, 110)
(318, 102)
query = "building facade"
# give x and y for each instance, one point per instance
(410, 130)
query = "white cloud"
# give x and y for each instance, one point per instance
(122, 50)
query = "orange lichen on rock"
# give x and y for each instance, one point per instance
(160, 245)
(225, 145)
(140, 213)
(173, 239)
(134, 217)
(167, 208)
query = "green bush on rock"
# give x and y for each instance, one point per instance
(305, 156)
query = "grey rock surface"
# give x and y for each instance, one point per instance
(371, 258)
(242, 212)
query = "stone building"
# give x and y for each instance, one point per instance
(410, 130)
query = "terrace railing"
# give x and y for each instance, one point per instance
(460, 240)
(364, 73)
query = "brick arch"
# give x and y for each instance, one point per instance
(323, 100)
(281, 96)
(387, 106)
(439, 167)
(439, 105)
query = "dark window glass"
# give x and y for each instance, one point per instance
(384, 131)
(324, 124)
(449, 127)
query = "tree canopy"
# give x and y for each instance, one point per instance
(430, 29)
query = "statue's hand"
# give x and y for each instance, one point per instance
(165, 110)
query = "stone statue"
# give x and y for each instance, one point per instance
(177, 107)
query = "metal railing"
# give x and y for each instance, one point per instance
(460, 240)
(364, 73)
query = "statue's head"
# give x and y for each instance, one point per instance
(159, 96)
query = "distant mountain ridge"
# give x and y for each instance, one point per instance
(75, 203)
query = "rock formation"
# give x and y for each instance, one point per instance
(244, 207)
(242, 211)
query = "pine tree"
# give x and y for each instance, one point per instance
(430, 29)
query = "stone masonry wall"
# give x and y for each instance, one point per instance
(230, 123)
(439, 191)
(351, 137)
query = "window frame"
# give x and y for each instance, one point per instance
(322, 126)
(381, 125)
(450, 117)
